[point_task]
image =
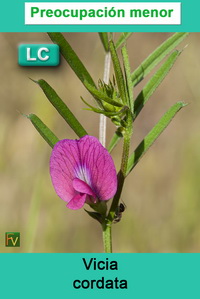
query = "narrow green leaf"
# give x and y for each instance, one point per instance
(107, 113)
(100, 96)
(104, 39)
(96, 110)
(129, 85)
(62, 108)
(44, 131)
(155, 57)
(71, 57)
(153, 135)
(154, 82)
(122, 39)
(115, 139)
(118, 72)
(92, 108)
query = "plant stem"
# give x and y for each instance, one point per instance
(123, 170)
(107, 224)
(107, 236)
(102, 121)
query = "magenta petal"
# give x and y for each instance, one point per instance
(82, 187)
(83, 166)
(63, 161)
(77, 202)
(97, 161)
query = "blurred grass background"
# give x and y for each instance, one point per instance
(162, 194)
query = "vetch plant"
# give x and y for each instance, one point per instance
(82, 171)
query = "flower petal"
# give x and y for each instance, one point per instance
(82, 187)
(88, 163)
(98, 162)
(77, 202)
(64, 159)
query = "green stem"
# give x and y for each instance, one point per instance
(107, 236)
(122, 173)
(107, 224)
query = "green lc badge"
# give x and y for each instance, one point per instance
(38, 55)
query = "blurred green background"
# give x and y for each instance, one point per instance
(162, 194)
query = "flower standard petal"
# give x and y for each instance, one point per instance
(96, 159)
(63, 161)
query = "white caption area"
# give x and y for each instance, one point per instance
(113, 13)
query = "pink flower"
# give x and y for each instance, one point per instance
(82, 171)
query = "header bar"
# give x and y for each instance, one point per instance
(93, 13)
(98, 16)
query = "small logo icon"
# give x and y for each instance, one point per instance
(12, 239)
